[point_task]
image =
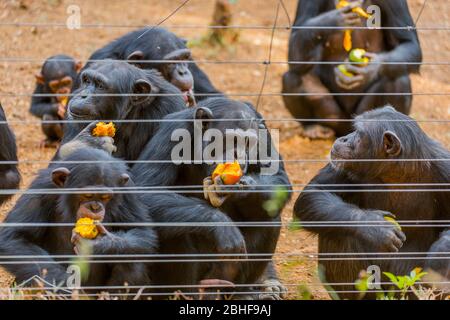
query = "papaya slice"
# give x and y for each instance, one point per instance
(229, 172)
(86, 228)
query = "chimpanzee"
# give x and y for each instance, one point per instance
(116, 90)
(9, 175)
(160, 44)
(56, 77)
(388, 49)
(380, 191)
(51, 198)
(242, 202)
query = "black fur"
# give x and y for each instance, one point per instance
(179, 207)
(9, 174)
(62, 208)
(367, 142)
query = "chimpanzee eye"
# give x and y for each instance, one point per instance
(106, 197)
(88, 196)
(86, 79)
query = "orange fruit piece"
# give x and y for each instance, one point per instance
(104, 130)
(347, 42)
(86, 228)
(64, 101)
(229, 172)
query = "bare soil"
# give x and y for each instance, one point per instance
(17, 79)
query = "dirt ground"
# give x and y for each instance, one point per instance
(38, 43)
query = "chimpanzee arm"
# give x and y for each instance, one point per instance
(42, 105)
(441, 245)
(175, 208)
(406, 46)
(317, 204)
(134, 241)
(9, 175)
(202, 84)
(25, 240)
(306, 44)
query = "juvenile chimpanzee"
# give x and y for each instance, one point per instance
(56, 77)
(116, 90)
(243, 202)
(381, 190)
(388, 49)
(9, 175)
(51, 198)
(160, 44)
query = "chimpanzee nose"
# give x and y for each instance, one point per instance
(95, 206)
(182, 72)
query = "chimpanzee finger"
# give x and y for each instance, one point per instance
(75, 238)
(353, 22)
(346, 86)
(75, 249)
(355, 69)
(101, 228)
(396, 241)
(88, 129)
(400, 234)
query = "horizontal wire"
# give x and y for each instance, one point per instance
(188, 187)
(243, 27)
(215, 255)
(263, 62)
(259, 285)
(165, 191)
(268, 94)
(245, 224)
(209, 260)
(39, 122)
(9, 162)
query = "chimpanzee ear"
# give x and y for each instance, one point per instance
(59, 176)
(143, 88)
(391, 144)
(135, 55)
(40, 78)
(203, 113)
(78, 66)
(124, 178)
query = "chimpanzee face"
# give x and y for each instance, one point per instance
(175, 71)
(235, 139)
(367, 142)
(57, 77)
(92, 203)
(109, 91)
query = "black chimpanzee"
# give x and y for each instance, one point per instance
(160, 44)
(56, 77)
(51, 199)
(242, 202)
(389, 137)
(116, 90)
(385, 48)
(9, 175)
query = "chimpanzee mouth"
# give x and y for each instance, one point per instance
(188, 97)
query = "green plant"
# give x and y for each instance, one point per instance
(406, 282)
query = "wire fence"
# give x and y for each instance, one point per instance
(279, 257)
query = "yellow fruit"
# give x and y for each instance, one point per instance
(392, 220)
(344, 70)
(86, 228)
(229, 172)
(360, 11)
(104, 130)
(64, 101)
(357, 55)
(347, 42)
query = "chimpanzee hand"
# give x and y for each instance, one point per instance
(367, 73)
(346, 81)
(217, 192)
(383, 237)
(85, 138)
(82, 245)
(61, 110)
(343, 17)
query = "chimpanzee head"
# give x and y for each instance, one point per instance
(112, 89)
(162, 45)
(382, 135)
(57, 75)
(90, 186)
(229, 131)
